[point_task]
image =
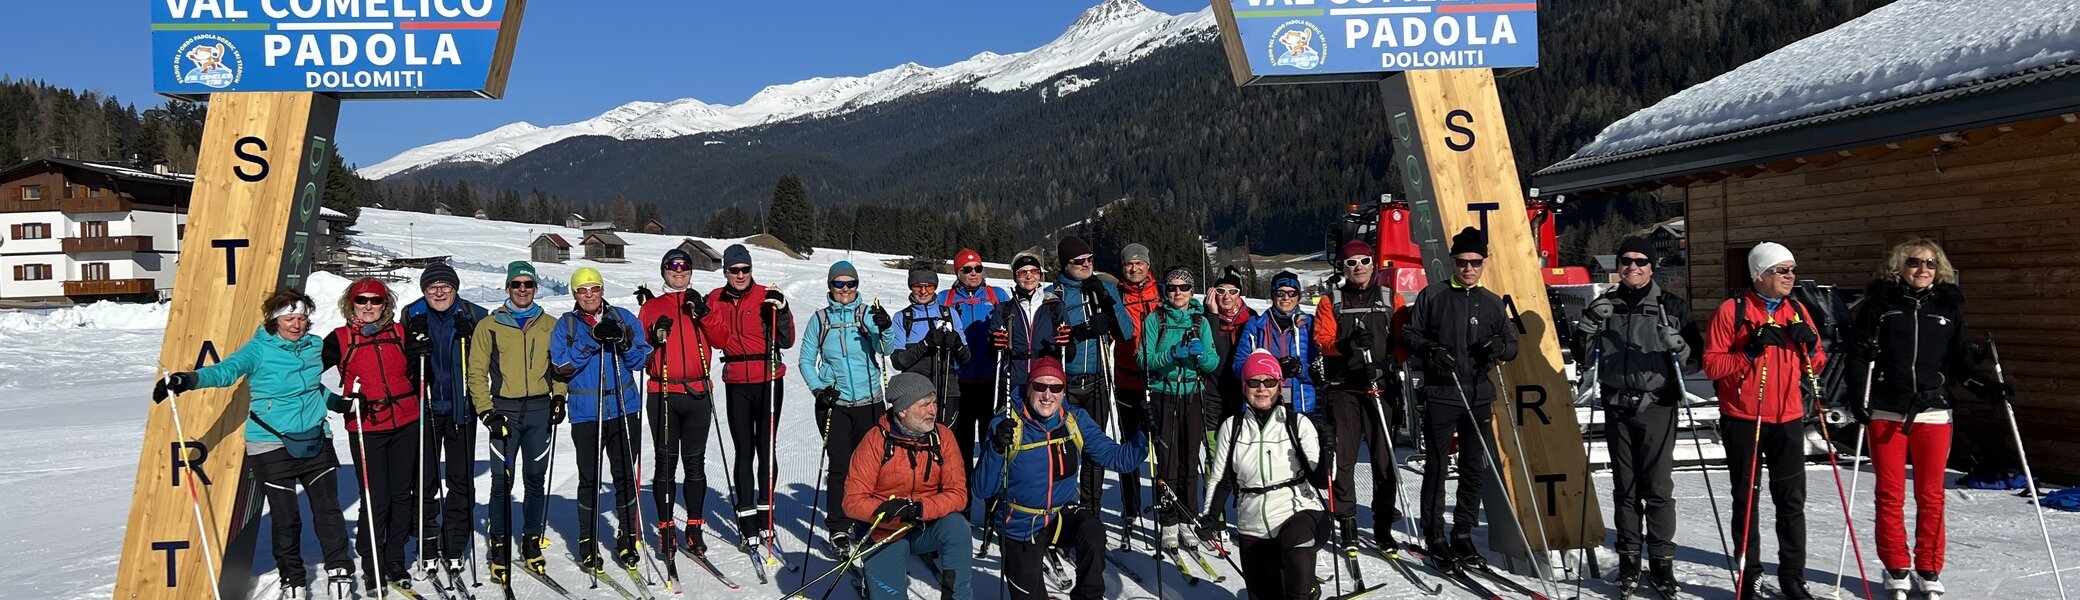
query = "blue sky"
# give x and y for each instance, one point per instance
(578, 58)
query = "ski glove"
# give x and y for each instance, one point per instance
(1673, 340)
(342, 404)
(1361, 339)
(659, 331)
(559, 409)
(1188, 350)
(775, 303)
(1210, 526)
(1766, 336)
(173, 383)
(418, 339)
(464, 328)
(1000, 339)
(898, 509)
(826, 397)
(1488, 348)
(881, 320)
(1860, 413)
(495, 424)
(1000, 440)
(1997, 392)
(1441, 356)
(1061, 335)
(1288, 367)
(1802, 334)
(947, 339)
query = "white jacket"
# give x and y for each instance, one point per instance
(1262, 454)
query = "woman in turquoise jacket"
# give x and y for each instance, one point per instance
(287, 442)
(1177, 355)
(841, 362)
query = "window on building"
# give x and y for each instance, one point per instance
(31, 231)
(93, 192)
(97, 271)
(68, 191)
(32, 272)
(93, 229)
(32, 192)
(180, 232)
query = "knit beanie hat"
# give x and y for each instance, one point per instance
(1179, 274)
(842, 269)
(923, 277)
(1355, 247)
(1260, 364)
(586, 276)
(1637, 244)
(1470, 240)
(1071, 247)
(1766, 255)
(1230, 276)
(1045, 366)
(966, 257)
(906, 389)
(1285, 279)
(1133, 252)
(518, 268)
(438, 273)
(736, 254)
(1023, 261)
(671, 255)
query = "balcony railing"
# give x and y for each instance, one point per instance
(108, 287)
(105, 204)
(118, 243)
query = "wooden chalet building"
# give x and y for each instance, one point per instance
(75, 231)
(1838, 155)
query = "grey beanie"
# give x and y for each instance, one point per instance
(735, 255)
(929, 276)
(1133, 252)
(906, 389)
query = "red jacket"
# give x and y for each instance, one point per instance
(929, 471)
(686, 347)
(1139, 302)
(376, 367)
(1766, 388)
(734, 326)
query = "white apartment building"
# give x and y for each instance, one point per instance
(76, 231)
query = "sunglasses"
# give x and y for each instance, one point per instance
(1081, 260)
(1178, 287)
(1634, 262)
(1225, 291)
(1034, 271)
(1261, 383)
(1469, 264)
(924, 286)
(739, 270)
(1285, 293)
(844, 285)
(1781, 271)
(1917, 263)
(973, 269)
(1358, 261)
(1050, 388)
(520, 285)
(678, 266)
(368, 300)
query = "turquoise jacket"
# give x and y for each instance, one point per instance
(1162, 332)
(839, 350)
(283, 376)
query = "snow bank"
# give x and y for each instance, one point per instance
(99, 315)
(1908, 48)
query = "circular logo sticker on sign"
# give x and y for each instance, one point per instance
(1298, 44)
(208, 60)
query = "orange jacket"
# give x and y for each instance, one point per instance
(1139, 301)
(1767, 388)
(928, 470)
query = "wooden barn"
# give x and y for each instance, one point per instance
(549, 248)
(1839, 156)
(601, 245)
(705, 258)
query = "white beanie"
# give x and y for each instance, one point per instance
(1766, 255)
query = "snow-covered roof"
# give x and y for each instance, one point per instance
(1904, 50)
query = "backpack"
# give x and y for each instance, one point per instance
(1292, 433)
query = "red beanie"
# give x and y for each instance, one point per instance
(1354, 247)
(1045, 366)
(966, 256)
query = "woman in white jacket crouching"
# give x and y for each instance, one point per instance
(1274, 466)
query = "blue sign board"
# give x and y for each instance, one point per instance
(350, 48)
(1301, 41)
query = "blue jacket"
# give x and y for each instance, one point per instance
(572, 350)
(1296, 340)
(838, 350)
(283, 377)
(1085, 357)
(446, 396)
(915, 320)
(1032, 481)
(971, 311)
(1030, 338)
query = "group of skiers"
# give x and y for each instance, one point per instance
(1011, 404)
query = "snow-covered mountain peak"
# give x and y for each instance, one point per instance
(1113, 32)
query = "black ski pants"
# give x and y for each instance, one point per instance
(451, 486)
(680, 425)
(1442, 421)
(978, 405)
(1356, 419)
(1077, 530)
(279, 474)
(1781, 453)
(528, 419)
(843, 428)
(1642, 445)
(754, 411)
(389, 469)
(1180, 434)
(618, 437)
(1282, 566)
(1090, 393)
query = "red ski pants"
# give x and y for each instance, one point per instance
(1927, 447)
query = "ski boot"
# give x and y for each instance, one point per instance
(341, 581)
(1931, 584)
(1751, 586)
(400, 579)
(1661, 575)
(1466, 554)
(295, 592)
(1438, 554)
(696, 541)
(1793, 588)
(628, 549)
(842, 545)
(1168, 536)
(454, 568)
(667, 540)
(1628, 573)
(588, 555)
(531, 546)
(500, 552)
(1897, 583)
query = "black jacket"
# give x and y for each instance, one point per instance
(1635, 356)
(1458, 318)
(1918, 342)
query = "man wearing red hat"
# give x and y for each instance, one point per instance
(969, 304)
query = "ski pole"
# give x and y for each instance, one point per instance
(1740, 577)
(856, 556)
(2036, 502)
(1834, 465)
(367, 510)
(194, 498)
(1507, 499)
(1592, 383)
(1697, 443)
(470, 546)
(419, 494)
(635, 460)
(599, 461)
(1516, 433)
(1864, 433)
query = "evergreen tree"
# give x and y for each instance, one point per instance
(792, 220)
(623, 215)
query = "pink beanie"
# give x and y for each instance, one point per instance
(1260, 364)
